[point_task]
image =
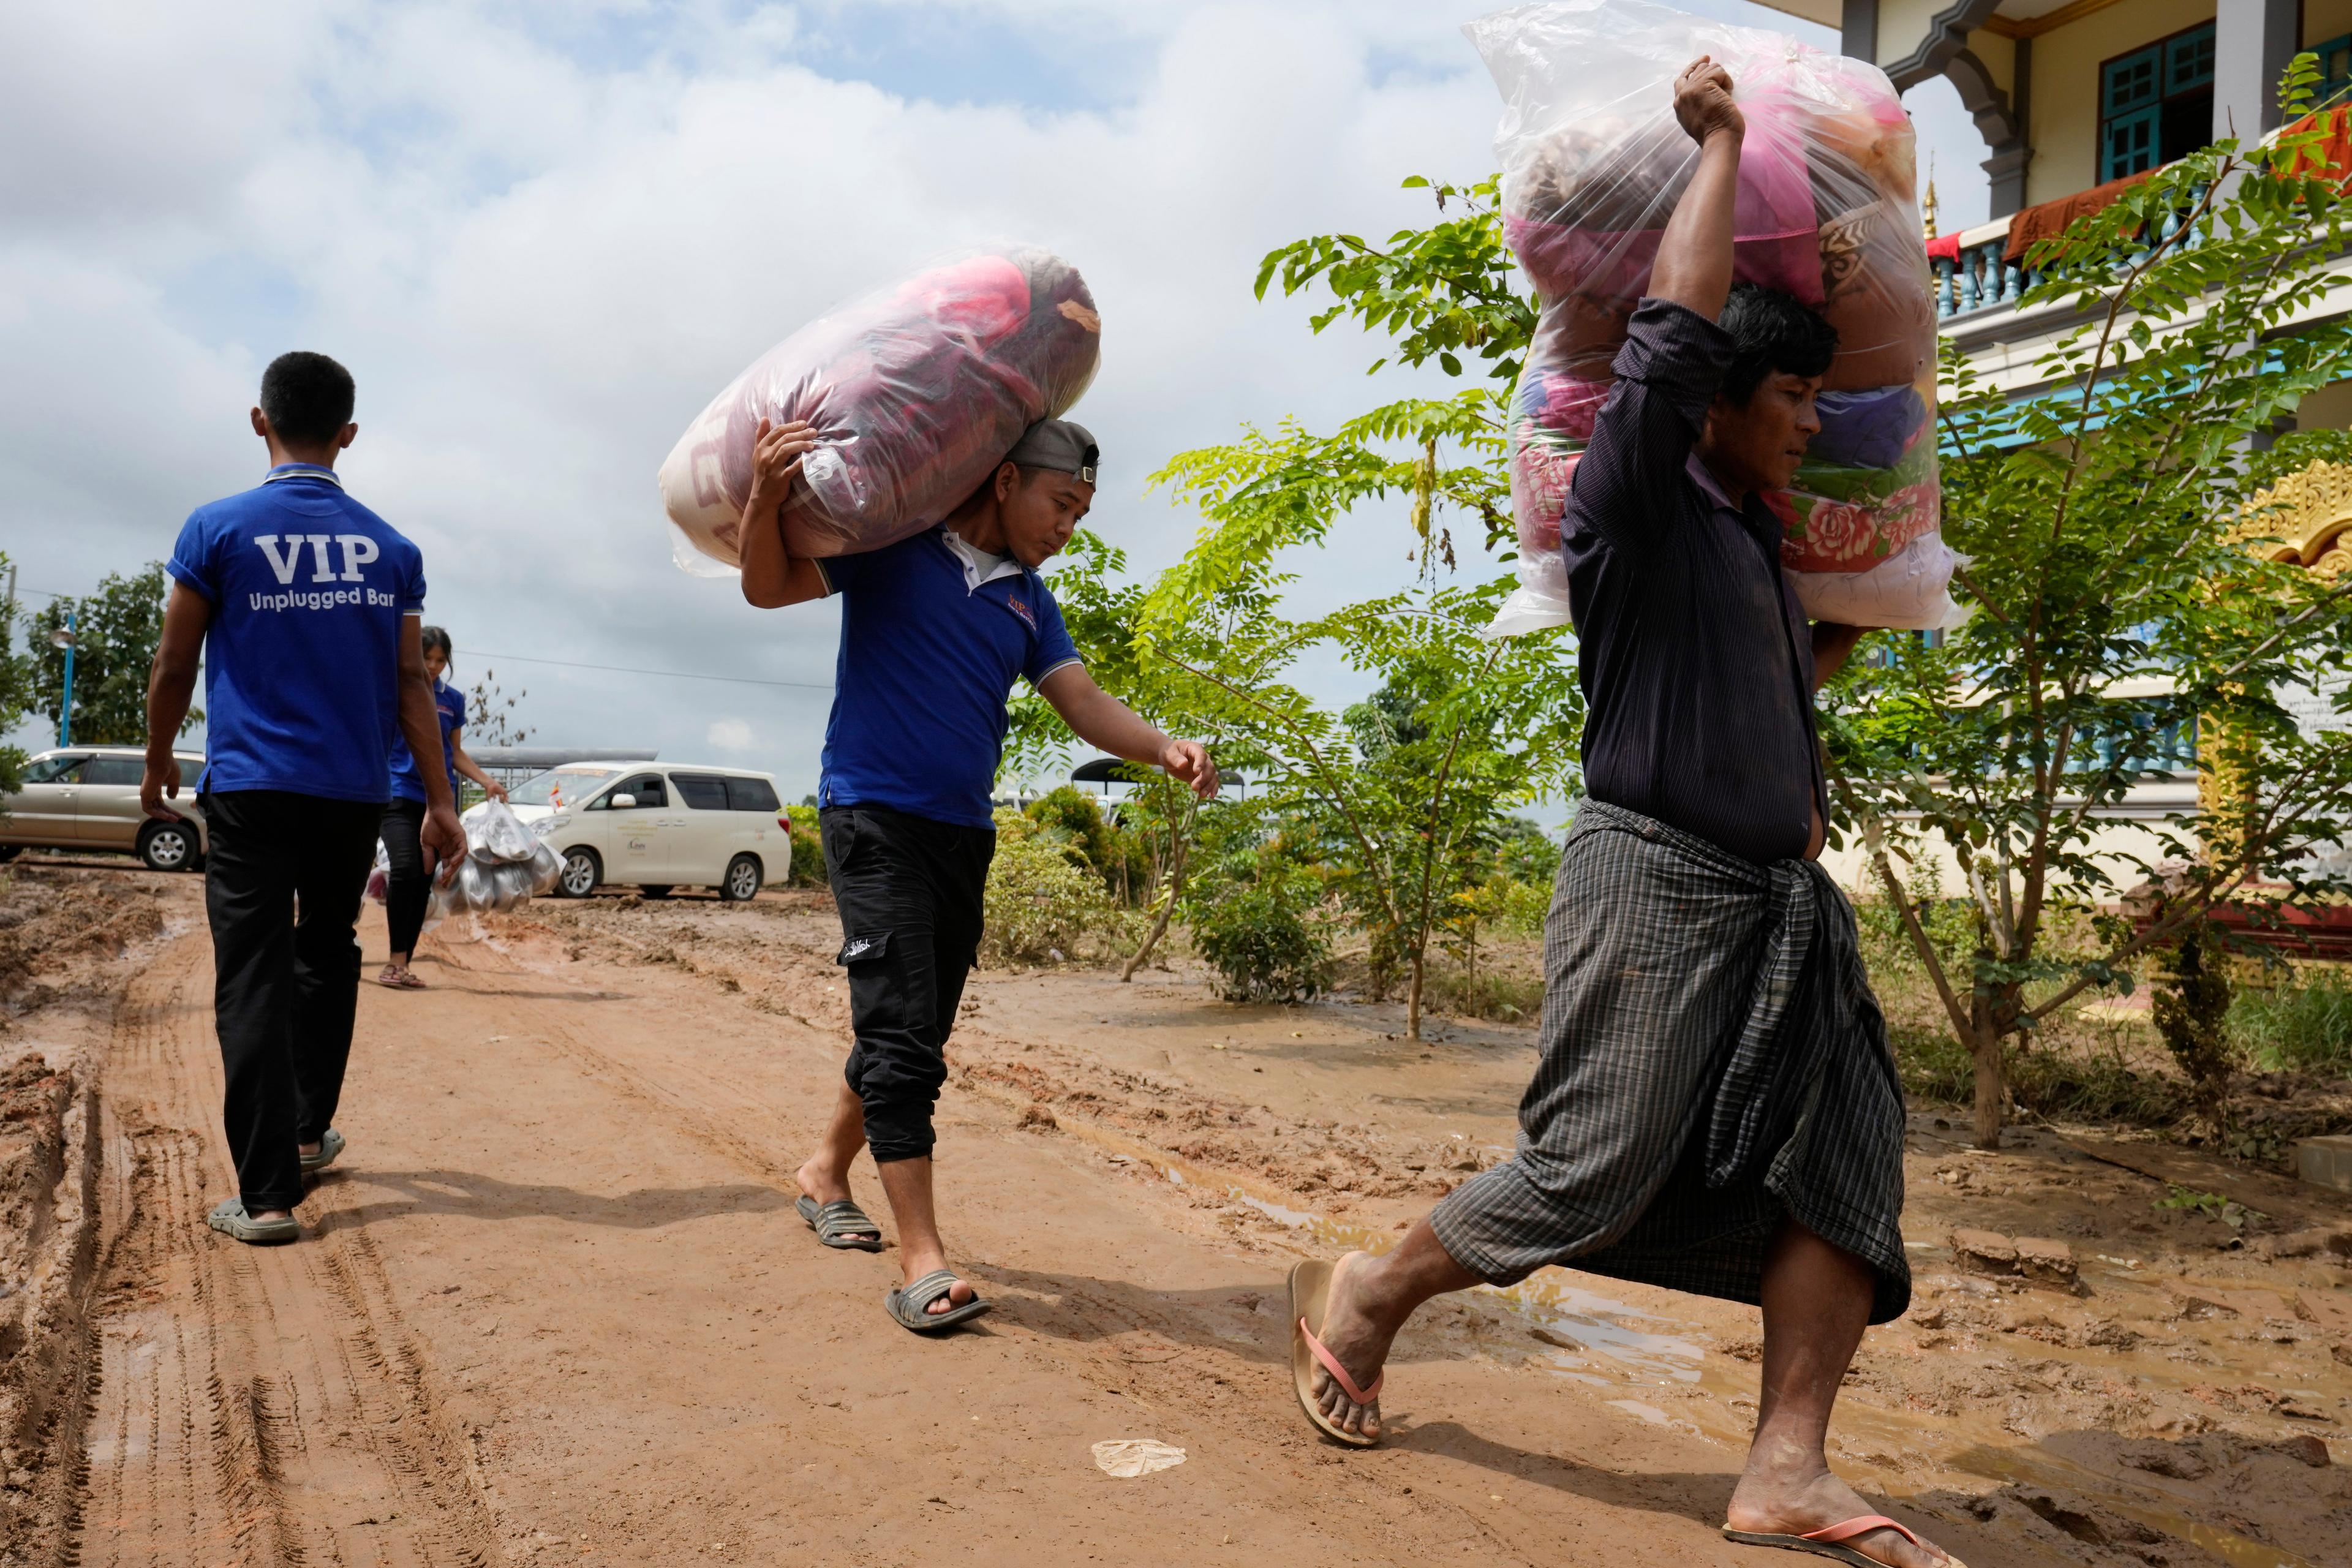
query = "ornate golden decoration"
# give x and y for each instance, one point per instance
(2307, 517)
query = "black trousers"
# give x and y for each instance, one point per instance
(284, 990)
(909, 893)
(407, 885)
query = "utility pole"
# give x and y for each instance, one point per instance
(65, 640)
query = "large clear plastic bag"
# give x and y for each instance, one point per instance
(917, 393)
(1593, 163)
(379, 881)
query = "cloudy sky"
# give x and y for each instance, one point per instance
(544, 235)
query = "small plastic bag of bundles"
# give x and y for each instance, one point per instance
(475, 885)
(917, 392)
(447, 899)
(379, 876)
(510, 884)
(1593, 165)
(494, 833)
(546, 867)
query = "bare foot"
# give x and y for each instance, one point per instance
(308, 1150)
(1785, 1505)
(1359, 1341)
(824, 1186)
(266, 1215)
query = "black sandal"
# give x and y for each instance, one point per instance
(840, 1224)
(907, 1306)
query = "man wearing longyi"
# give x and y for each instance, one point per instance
(1715, 1109)
(934, 631)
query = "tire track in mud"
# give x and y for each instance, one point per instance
(252, 1407)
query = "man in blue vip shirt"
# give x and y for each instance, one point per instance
(934, 631)
(303, 607)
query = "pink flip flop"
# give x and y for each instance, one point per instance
(404, 980)
(1825, 1541)
(1310, 1291)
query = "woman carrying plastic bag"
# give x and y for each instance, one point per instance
(403, 882)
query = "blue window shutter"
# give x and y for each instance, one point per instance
(2131, 81)
(2130, 143)
(2335, 65)
(2189, 61)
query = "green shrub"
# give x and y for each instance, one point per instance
(808, 848)
(1070, 816)
(1526, 853)
(1512, 907)
(1042, 905)
(1074, 819)
(2307, 1025)
(1263, 935)
(2078, 1081)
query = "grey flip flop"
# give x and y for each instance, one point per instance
(907, 1306)
(229, 1217)
(330, 1147)
(840, 1224)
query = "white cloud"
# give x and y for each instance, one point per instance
(542, 236)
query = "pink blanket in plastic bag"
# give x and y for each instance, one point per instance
(917, 392)
(1593, 163)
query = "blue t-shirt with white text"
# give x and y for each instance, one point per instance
(308, 589)
(928, 659)
(407, 781)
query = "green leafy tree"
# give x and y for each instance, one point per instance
(1405, 794)
(116, 631)
(1437, 293)
(2109, 519)
(1102, 607)
(1402, 797)
(17, 687)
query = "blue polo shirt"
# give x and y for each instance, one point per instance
(407, 780)
(930, 649)
(302, 657)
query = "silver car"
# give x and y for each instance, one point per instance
(86, 798)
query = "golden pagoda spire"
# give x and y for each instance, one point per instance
(1927, 207)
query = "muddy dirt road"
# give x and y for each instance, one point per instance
(555, 1307)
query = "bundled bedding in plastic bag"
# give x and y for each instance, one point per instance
(506, 864)
(1593, 165)
(916, 391)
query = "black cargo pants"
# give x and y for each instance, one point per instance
(910, 892)
(284, 990)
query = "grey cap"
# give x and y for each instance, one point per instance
(1062, 444)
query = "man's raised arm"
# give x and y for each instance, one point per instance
(1694, 265)
(772, 577)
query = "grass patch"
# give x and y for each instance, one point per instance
(2305, 1025)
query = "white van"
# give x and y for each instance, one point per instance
(656, 826)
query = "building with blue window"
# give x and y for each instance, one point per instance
(2070, 97)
